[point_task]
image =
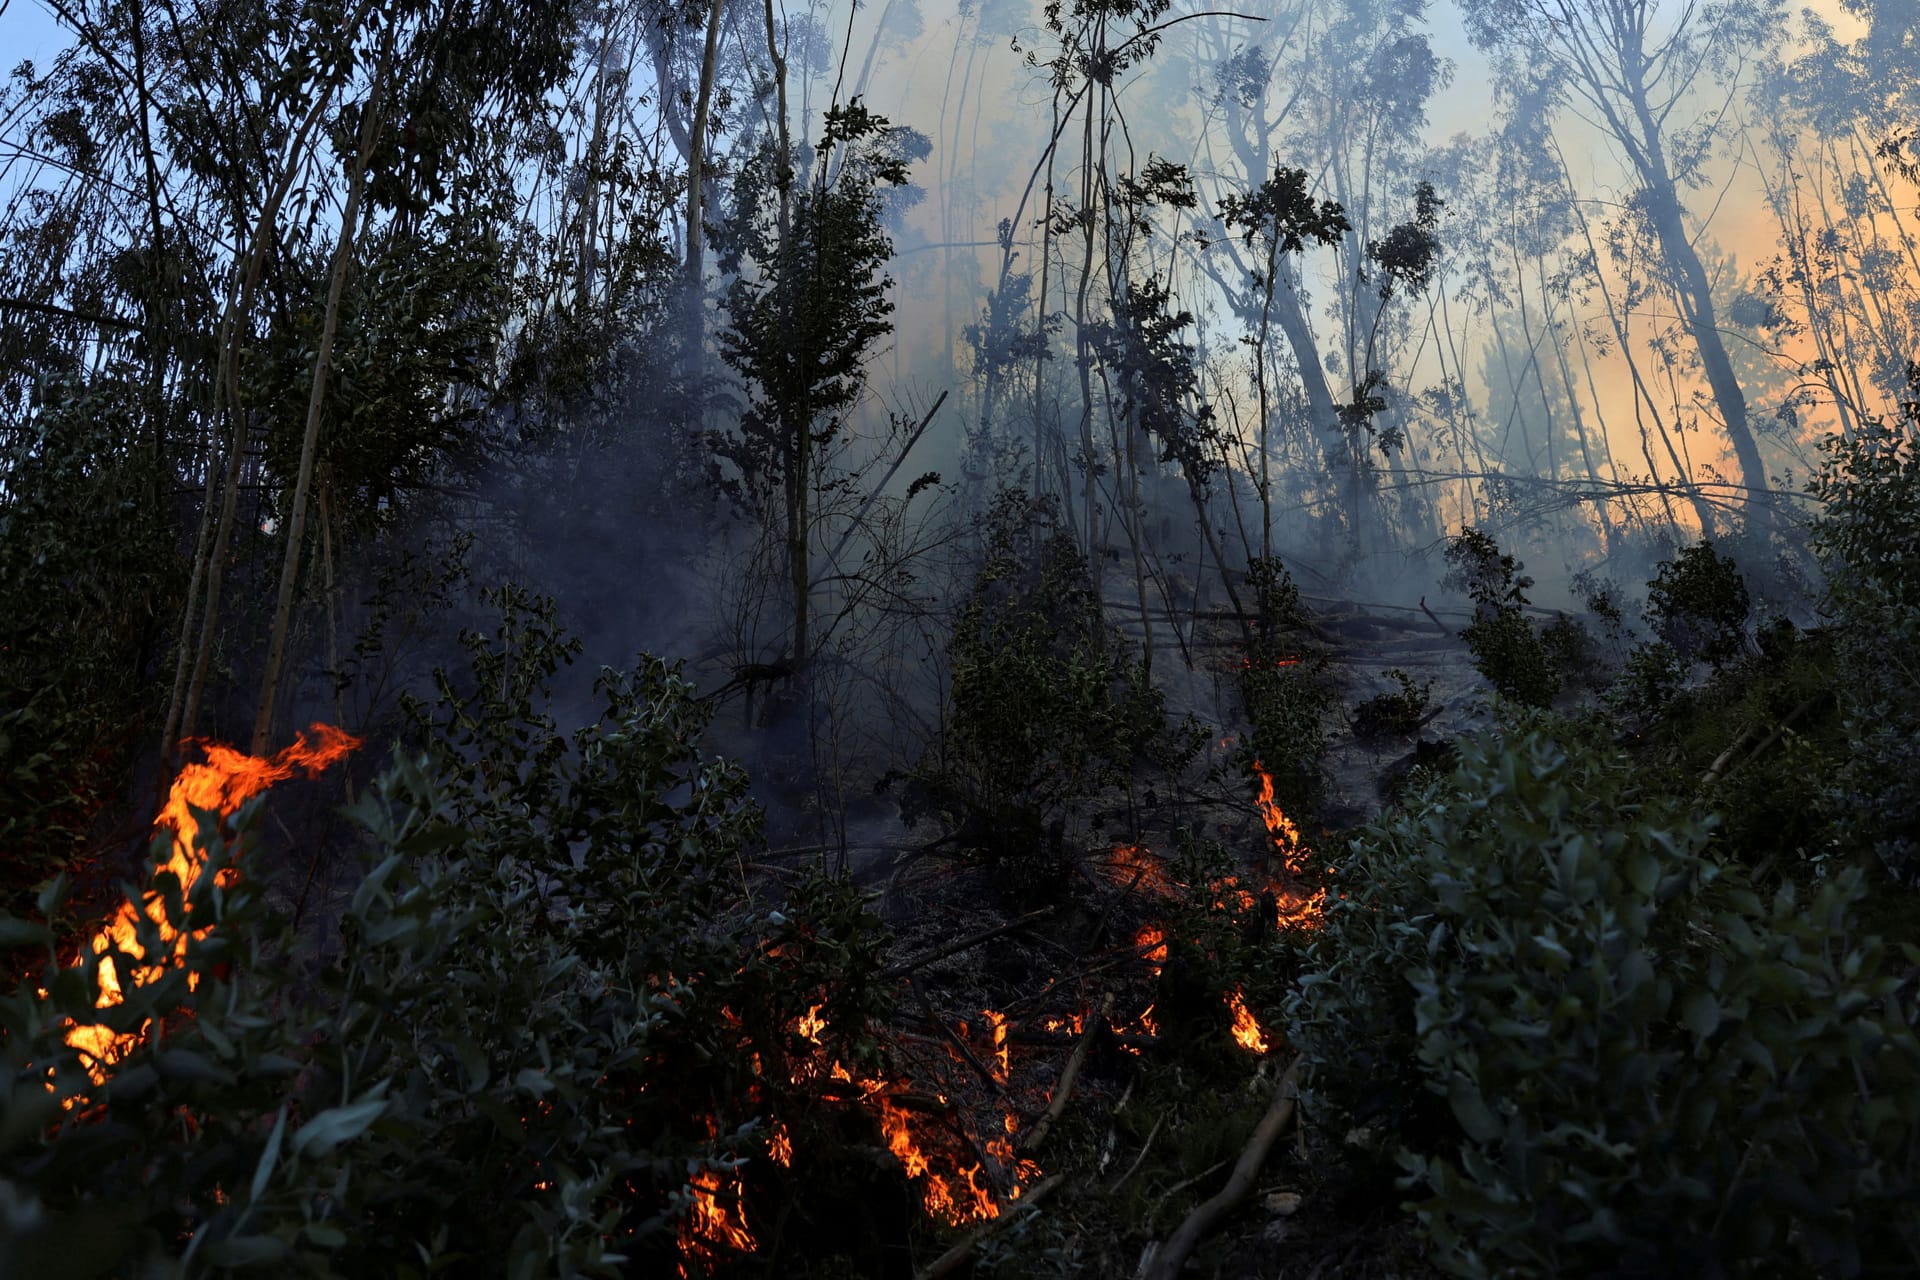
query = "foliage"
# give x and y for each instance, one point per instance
(1598, 1051)
(1047, 705)
(1394, 714)
(554, 1004)
(1868, 540)
(87, 571)
(1507, 648)
(1287, 692)
(1698, 604)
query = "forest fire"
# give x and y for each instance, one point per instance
(225, 781)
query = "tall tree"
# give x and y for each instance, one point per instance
(1645, 72)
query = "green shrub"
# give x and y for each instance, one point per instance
(1596, 1051)
(555, 1003)
(1868, 541)
(1047, 705)
(1507, 649)
(1288, 694)
(1395, 714)
(1699, 605)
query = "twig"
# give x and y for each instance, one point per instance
(906, 967)
(1131, 953)
(1145, 1147)
(1436, 620)
(946, 1032)
(1719, 765)
(1064, 1089)
(951, 1261)
(1165, 1263)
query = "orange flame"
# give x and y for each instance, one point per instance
(1130, 864)
(1002, 1051)
(780, 1145)
(1286, 836)
(712, 1223)
(227, 780)
(1245, 1029)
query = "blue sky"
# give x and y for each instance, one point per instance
(28, 31)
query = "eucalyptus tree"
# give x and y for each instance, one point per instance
(1827, 132)
(1654, 77)
(1341, 91)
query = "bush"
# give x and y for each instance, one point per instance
(1506, 647)
(1597, 1052)
(555, 1007)
(1699, 605)
(1048, 705)
(1868, 541)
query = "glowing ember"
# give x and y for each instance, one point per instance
(1152, 940)
(1245, 1029)
(1132, 865)
(227, 780)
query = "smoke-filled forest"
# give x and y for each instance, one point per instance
(749, 638)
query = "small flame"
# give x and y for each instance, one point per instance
(810, 1025)
(780, 1145)
(1130, 864)
(1002, 1051)
(227, 780)
(1245, 1029)
(714, 1223)
(1286, 836)
(1152, 941)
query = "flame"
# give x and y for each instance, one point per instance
(1130, 864)
(1245, 1029)
(780, 1145)
(714, 1223)
(1002, 1051)
(1152, 941)
(225, 781)
(1286, 836)
(809, 1026)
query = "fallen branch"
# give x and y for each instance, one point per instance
(947, 1033)
(1719, 765)
(906, 967)
(1064, 1089)
(1165, 1263)
(951, 1261)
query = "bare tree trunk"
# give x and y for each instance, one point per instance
(310, 441)
(210, 549)
(696, 193)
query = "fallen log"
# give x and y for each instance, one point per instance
(1064, 1090)
(1164, 1263)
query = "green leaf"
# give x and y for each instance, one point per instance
(1701, 1012)
(319, 1137)
(263, 1172)
(1470, 1109)
(1643, 871)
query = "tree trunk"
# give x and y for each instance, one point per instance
(310, 442)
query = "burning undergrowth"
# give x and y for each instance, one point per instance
(656, 1057)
